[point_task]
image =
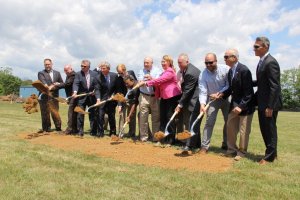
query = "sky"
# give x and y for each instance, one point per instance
(126, 31)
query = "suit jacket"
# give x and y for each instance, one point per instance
(108, 89)
(268, 94)
(45, 78)
(80, 84)
(120, 85)
(189, 87)
(68, 85)
(166, 85)
(240, 89)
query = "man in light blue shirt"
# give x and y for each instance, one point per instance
(212, 82)
(148, 103)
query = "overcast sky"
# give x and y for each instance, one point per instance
(125, 31)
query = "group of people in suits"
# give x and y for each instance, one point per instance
(164, 93)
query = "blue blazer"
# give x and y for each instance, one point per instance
(241, 90)
(80, 84)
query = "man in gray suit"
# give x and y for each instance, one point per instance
(86, 81)
(268, 96)
(52, 79)
(188, 80)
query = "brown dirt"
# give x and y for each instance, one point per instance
(119, 97)
(134, 153)
(183, 135)
(159, 135)
(80, 110)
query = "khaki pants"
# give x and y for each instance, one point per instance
(147, 105)
(238, 124)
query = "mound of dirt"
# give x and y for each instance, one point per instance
(135, 153)
(159, 135)
(183, 135)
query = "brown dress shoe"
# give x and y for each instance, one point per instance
(262, 162)
(203, 151)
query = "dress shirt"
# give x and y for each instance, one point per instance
(233, 69)
(51, 74)
(154, 73)
(213, 82)
(87, 77)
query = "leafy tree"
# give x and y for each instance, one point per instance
(290, 81)
(8, 83)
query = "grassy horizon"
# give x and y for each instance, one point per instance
(29, 171)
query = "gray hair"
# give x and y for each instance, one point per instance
(185, 56)
(87, 62)
(265, 41)
(104, 64)
(234, 52)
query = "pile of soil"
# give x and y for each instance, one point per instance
(127, 151)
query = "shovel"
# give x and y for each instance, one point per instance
(120, 135)
(160, 135)
(185, 135)
(117, 97)
(65, 100)
(168, 124)
(132, 89)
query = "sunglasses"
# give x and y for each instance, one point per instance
(209, 63)
(83, 66)
(226, 57)
(256, 46)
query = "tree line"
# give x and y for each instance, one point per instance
(290, 82)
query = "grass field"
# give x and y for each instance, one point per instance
(29, 171)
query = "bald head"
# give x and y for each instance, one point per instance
(68, 69)
(148, 62)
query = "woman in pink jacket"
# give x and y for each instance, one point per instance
(167, 89)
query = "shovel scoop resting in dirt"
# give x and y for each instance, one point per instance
(185, 134)
(160, 135)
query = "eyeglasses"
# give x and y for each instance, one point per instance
(256, 46)
(209, 63)
(83, 66)
(226, 57)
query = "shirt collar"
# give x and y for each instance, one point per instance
(262, 58)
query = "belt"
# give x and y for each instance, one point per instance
(150, 95)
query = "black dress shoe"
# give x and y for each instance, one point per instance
(185, 150)
(58, 129)
(224, 147)
(80, 134)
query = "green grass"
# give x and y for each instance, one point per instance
(29, 171)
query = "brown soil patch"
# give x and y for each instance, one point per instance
(135, 153)
(183, 135)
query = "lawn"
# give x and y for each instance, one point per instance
(29, 171)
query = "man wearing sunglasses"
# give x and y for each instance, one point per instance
(241, 106)
(212, 82)
(86, 81)
(268, 96)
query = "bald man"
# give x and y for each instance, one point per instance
(68, 85)
(148, 103)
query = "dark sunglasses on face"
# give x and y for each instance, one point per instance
(83, 66)
(256, 46)
(226, 57)
(209, 63)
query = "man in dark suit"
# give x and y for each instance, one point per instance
(121, 88)
(188, 80)
(68, 85)
(52, 79)
(268, 96)
(107, 89)
(241, 107)
(86, 81)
